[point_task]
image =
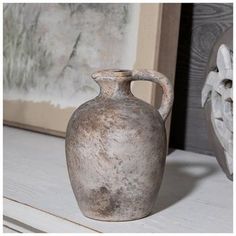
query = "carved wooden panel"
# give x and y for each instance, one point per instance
(201, 24)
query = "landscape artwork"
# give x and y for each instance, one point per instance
(51, 50)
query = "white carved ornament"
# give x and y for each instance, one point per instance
(218, 88)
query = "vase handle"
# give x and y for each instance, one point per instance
(168, 92)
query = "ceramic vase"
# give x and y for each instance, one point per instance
(116, 147)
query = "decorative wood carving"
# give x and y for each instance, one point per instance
(218, 90)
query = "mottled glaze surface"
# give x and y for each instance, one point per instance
(116, 149)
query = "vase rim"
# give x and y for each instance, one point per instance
(112, 74)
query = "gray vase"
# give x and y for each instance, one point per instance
(116, 147)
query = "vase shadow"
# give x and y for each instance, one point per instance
(181, 179)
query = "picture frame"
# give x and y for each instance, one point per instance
(156, 49)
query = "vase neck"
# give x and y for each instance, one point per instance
(113, 83)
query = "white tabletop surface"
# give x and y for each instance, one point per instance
(195, 195)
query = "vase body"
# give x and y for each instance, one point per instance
(116, 150)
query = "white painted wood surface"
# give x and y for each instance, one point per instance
(39, 220)
(18, 226)
(8, 230)
(195, 195)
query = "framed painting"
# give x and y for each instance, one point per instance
(50, 51)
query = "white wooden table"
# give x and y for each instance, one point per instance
(195, 195)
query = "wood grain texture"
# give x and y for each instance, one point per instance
(201, 25)
(194, 197)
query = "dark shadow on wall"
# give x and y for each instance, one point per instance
(180, 180)
(179, 112)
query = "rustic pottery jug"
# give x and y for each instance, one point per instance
(116, 147)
